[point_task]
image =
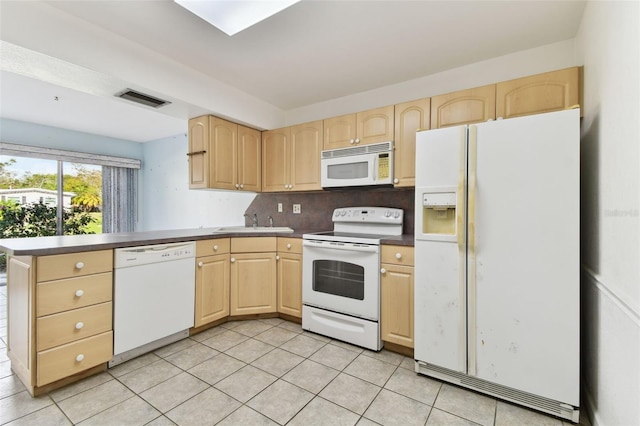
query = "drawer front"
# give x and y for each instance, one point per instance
(58, 329)
(400, 255)
(63, 295)
(290, 245)
(253, 245)
(67, 360)
(213, 247)
(71, 265)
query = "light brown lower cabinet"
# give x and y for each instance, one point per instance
(253, 276)
(59, 317)
(396, 295)
(289, 262)
(212, 280)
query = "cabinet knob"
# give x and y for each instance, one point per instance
(79, 293)
(398, 255)
(288, 246)
(277, 257)
(357, 140)
(383, 271)
(237, 185)
(233, 259)
(79, 325)
(396, 180)
(80, 358)
(79, 265)
(352, 141)
(241, 186)
(215, 247)
(200, 264)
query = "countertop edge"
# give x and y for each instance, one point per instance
(44, 246)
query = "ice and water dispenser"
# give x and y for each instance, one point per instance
(439, 213)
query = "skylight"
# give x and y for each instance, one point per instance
(234, 16)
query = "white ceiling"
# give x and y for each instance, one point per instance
(311, 52)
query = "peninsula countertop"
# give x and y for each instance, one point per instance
(43, 246)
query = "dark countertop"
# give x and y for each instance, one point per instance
(42, 246)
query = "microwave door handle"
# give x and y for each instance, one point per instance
(374, 165)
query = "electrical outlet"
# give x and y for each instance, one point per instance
(279, 207)
(296, 208)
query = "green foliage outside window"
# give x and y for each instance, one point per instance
(39, 220)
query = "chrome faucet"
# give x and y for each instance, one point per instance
(270, 221)
(254, 219)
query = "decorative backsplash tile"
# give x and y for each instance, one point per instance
(317, 207)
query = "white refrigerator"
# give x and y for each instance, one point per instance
(497, 259)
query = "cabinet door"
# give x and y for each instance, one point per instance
(396, 301)
(249, 159)
(551, 91)
(212, 289)
(223, 158)
(253, 283)
(463, 107)
(290, 284)
(198, 152)
(375, 125)
(276, 160)
(306, 145)
(409, 117)
(339, 132)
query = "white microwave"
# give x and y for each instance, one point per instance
(363, 165)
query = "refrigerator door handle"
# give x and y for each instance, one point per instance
(461, 231)
(471, 264)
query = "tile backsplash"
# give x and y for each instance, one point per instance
(317, 207)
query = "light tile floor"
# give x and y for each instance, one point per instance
(259, 372)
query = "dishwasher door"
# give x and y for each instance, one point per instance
(154, 296)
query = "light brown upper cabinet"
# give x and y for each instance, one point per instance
(223, 155)
(291, 158)
(409, 117)
(249, 159)
(463, 107)
(198, 158)
(550, 91)
(366, 127)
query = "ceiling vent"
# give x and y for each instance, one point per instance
(141, 98)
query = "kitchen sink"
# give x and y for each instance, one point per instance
(249, 229)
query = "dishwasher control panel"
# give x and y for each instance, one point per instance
(142, 255)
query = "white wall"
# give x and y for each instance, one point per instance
(527, 62)
(168, 202)
(608, 45)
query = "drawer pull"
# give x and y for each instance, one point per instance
(200, 264)
(383, 271)
(79, 325)
(277, 257)
(80, 358)
(79, 293)
(215, 247)
(398, 255)
(288, 246)
(79, 265)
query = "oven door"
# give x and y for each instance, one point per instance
(342, 277)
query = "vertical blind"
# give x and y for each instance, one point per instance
(119, 195)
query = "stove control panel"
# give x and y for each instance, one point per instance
(368, 214)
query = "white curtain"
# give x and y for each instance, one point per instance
(119, 199)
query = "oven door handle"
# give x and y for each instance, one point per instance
(348, 247)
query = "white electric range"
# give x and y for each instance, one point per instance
(341, 275)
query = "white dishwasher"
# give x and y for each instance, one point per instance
(153, 301)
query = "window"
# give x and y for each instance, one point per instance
(101, 187)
